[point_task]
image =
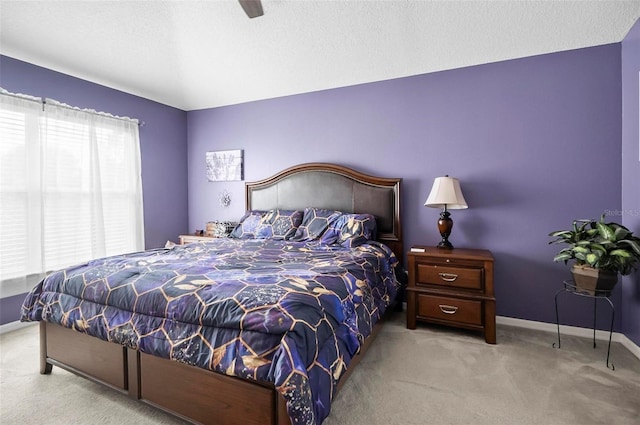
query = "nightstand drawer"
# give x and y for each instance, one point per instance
(450, 309)
(459, 277)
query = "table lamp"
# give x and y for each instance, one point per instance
(446, 194)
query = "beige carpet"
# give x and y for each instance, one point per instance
(427, 376)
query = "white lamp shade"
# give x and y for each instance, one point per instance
(446, 193)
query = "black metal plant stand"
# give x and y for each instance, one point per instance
(570, 287)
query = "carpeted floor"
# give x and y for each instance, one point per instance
(429, 376)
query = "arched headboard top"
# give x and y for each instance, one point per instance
(331, 186)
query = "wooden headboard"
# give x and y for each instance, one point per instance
(336, 187)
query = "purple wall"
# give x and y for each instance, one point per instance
(631, 172)
(162, 142)
(523, 136)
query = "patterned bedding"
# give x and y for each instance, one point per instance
(290, 313)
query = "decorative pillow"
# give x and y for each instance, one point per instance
(248, 224)
(351, 230)
(314, 223)
(279, 224)
(220, 229)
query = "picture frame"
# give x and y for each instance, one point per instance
(225, 165)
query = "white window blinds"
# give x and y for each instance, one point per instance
(70, 189)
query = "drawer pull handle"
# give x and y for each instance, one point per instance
(448, 277)
(448, 309)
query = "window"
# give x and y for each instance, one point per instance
(70, 189)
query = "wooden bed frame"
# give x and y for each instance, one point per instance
(201, 396)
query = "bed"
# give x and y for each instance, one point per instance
(245, 330)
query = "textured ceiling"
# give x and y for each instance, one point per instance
(201, 54)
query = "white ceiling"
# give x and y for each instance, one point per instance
(201, 54)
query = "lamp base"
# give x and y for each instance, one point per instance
(445, 224)
(444, 244)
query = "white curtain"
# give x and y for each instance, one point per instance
(70, 188)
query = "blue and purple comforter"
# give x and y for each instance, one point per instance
(290, 313)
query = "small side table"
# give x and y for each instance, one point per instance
(185, 239)
(452, 287)
(570, 287)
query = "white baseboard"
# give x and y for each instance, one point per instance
(570, 330)
(630, 345)
(14, 326)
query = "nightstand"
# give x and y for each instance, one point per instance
(184, 239)
(452, 287)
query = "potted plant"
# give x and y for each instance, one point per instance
(601, 252)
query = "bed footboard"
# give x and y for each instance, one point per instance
(45, 367)
(93, 358)
(193, 394)
(203, 396)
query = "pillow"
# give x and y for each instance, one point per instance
(220, 229)
(279, 224)
(248, 224)
(351, 230)
(314, 223)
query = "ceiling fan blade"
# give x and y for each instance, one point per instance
(253, 8)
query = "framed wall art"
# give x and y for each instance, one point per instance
(225, 165)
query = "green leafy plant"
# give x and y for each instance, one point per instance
(599, 245)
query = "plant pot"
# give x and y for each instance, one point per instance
(593, 281)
